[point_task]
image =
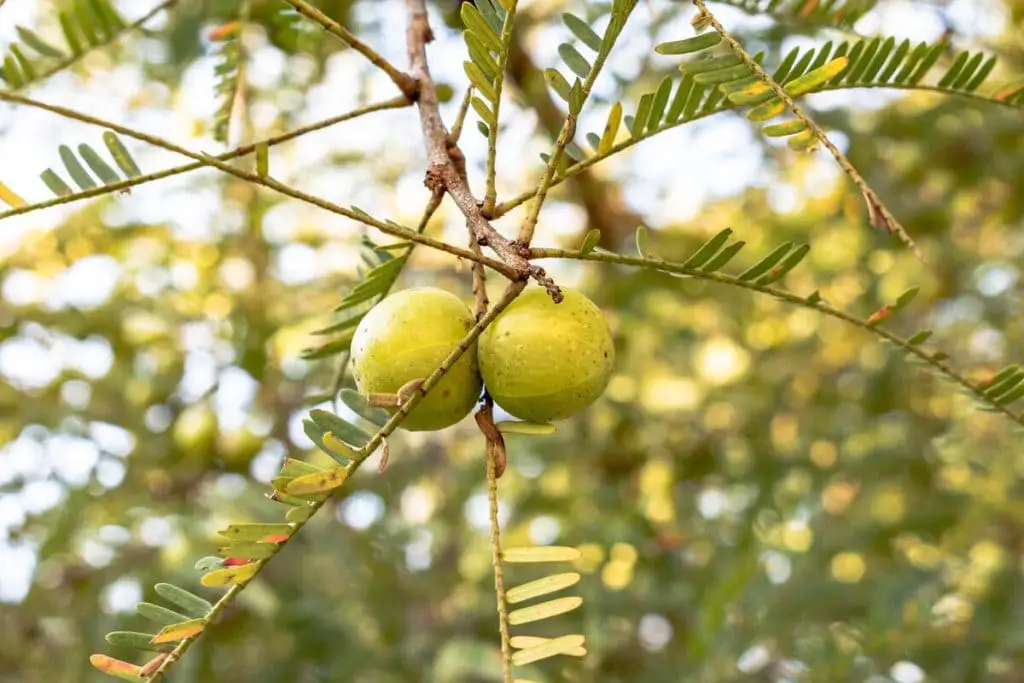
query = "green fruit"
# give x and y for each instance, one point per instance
(406, 337)
(543, 361)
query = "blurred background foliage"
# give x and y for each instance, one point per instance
(763, 494)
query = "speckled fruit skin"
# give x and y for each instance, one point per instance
(543, 361)
(405, 337)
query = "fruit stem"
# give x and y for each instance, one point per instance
(499, 577)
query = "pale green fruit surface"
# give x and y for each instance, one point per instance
(543, 361)
(405, 337)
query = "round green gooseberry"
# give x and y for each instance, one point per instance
(404, 338)
(543, 361)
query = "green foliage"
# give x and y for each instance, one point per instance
(483, 27)
(377, 274)
(828, 13)
(105, 174)
(85, 24)
(741, 433)
(230, 58)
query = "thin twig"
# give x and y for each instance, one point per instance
(877, 211)
(386, 227)
(406, 83)
(446, 163)
(73, 59)
(460, 118)
(782, 295)
(485, 417)
(479, 279)
(243, 150)
(491, 193)
(577, 168)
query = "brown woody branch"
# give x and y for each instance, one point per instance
(446, 165)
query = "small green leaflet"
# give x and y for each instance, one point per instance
(581, 30)
(778, 130)
(765, 264)
(191, 604)
(296, 468)
(75, 168)
(55, 183)
(262, 159)
(574, 60)
(643, 109)
(590, 241)
(358, 404)
(31, 39)
(557, 82)
(708, 249)
(135, 641)
(159, 613)
(791, 261)
(102, 170)
(723, 257)
(474, 22)
(689, 45)
(346, 431)
(920, 337)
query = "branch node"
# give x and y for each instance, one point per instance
(434, 179)
(541, 276)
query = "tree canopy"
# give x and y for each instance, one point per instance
(801, 219)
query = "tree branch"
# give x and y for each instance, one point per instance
(939, 366)
(73, 59)
(446, 164)
(406, 83)
(879, 214)
(243, 150)
(386, 227)
(495, 463)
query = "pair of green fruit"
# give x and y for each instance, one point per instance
(540, 361)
